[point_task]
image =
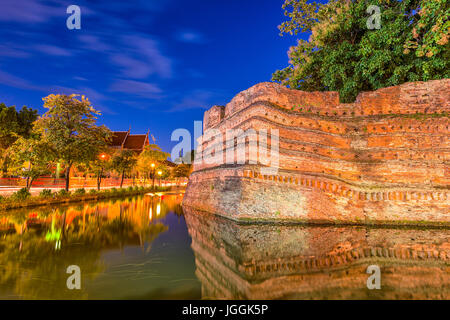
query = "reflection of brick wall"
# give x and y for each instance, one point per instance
(388, 147)
(244, 261)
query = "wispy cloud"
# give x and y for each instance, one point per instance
(10, 80)
(136, 56)
(32, 11)
(197, 99)
(190, 36)
(12, 51)
(93, 43)
(142, 89)
(141, 58)
(53, 50)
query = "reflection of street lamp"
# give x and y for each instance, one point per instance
(160, 173)
(153, 175)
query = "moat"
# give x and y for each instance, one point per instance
(150, 247)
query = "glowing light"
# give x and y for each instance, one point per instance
(152, 165)
(158, 209)
(160, 172)
(150, 213)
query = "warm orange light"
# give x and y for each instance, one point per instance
(153, 165)
(103, 156)
(160, 172)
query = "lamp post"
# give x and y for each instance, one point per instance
(153, 175)
(99, 178)
(159, 174)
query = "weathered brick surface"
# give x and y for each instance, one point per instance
(384, 158)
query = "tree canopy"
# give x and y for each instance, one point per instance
(13, 125)
(343, 54)
(69, 126)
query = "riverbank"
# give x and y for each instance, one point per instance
(22, 200)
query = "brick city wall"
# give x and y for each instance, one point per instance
(383, 158)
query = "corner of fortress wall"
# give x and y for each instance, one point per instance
(383, 158)
(409, 98)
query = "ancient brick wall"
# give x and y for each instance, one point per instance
(383, 158)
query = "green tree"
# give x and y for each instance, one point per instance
(182, 170)
(99, 164)
(13, 124)
(343, 54)
(149, 159)
(69, 126)
(31, 157)
(123, 161)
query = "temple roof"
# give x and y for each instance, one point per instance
(118, 138)
(125, 140)
(136, 141)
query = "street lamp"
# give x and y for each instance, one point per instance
(160, 173)
(99, 178)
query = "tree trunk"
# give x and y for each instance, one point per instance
(68, 177)
(153, 183)
(121, 180)
(30, 184)
(99, 179)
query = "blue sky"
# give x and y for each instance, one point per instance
(151, 64)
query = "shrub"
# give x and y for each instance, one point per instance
(92, 191)
(45, 193)
(22, 194)
(80, 191)
(2, 198)
(63, 193)
(130, 189)
(113, 190)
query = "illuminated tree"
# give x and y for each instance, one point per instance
(343, 54)
(69, 127)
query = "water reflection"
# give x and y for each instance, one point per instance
(293, 262)
(111, 241)
(141, 248)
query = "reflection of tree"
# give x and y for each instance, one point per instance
(37, 271)
(32, 267)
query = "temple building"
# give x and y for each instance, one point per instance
(125, 141)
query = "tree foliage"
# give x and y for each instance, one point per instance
(69, 126)
(123, 161)
(182, 170)
(343, 54)
(152, 154)
(13, 125)
(31, 157)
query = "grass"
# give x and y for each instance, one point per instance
(22, 198)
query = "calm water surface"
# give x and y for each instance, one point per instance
(148, 247)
